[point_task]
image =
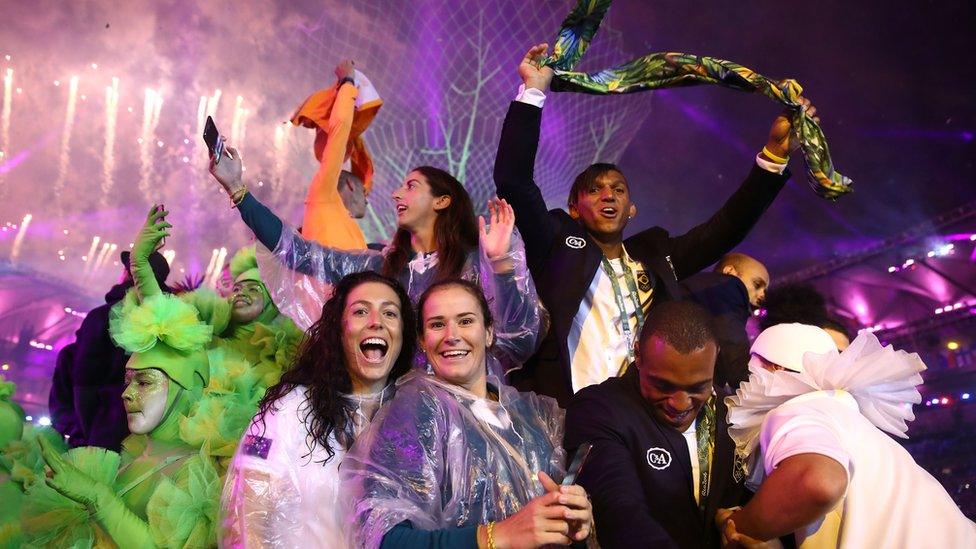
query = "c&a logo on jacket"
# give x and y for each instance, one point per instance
(658, 458)
(575, 242)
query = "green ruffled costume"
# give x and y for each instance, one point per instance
(164, 488)
(244, 361)
(96, 496)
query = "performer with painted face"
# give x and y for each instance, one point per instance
(283, 486)
(458, 458)
(258, 340)
(438, 237)
(161, 491)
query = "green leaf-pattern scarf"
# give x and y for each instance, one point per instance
(669, 70)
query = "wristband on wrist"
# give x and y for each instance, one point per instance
(237, 196)
(773, 157)
(491, 535)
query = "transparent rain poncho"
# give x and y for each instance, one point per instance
(300, 274)
(440, 457)
(279, 493)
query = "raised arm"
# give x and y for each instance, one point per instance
(338, 126)
(301, 255)
(520, 320)
(149, 239)
(708, 242)
(327, 220)
(515, 161)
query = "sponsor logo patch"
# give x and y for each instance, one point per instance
(658, 458)
(575, 242)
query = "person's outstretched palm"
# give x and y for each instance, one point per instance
(497, 237)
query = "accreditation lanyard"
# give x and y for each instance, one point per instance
(705, 433)
(619, 296)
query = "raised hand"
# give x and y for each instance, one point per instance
(153, 232)
(533, 74)
(229, 170)
(345, 69)
(782, 139)
(496, 238)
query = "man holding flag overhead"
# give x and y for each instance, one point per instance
(597, 285)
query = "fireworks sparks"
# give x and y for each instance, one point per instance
(69, 122)
(8, 84)
(108, 154)
(19, 239)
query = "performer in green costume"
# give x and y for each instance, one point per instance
(161, 491)
(257, 342)
(200, 364)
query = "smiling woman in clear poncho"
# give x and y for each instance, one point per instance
(282, 487)
(458, 458)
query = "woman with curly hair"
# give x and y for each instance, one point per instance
(282, 487)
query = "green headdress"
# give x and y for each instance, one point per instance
(164, 332)
(244, 266)
(11, 415)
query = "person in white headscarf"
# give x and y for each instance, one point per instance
(810, 425)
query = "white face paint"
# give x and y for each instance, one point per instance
(144, 399)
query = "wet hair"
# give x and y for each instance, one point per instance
(468, 286)
(455, 229)
(321, 366)
(683, 325)
(589, 176)
(794, 303)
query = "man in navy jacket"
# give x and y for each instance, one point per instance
(650, 475)
(596, 285)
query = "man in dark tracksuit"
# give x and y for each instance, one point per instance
(572, 254)
(648, 428)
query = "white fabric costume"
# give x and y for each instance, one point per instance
(838, 406)
(278, 491)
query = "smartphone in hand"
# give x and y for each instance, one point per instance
(162, 241)
(213, 140)
(577, 465)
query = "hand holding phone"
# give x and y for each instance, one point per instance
(161, 209)
(213, 139)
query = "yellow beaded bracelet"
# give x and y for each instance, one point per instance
(238, 196)
(491, 537)
(773, 157)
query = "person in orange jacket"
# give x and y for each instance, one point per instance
(336, 198)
